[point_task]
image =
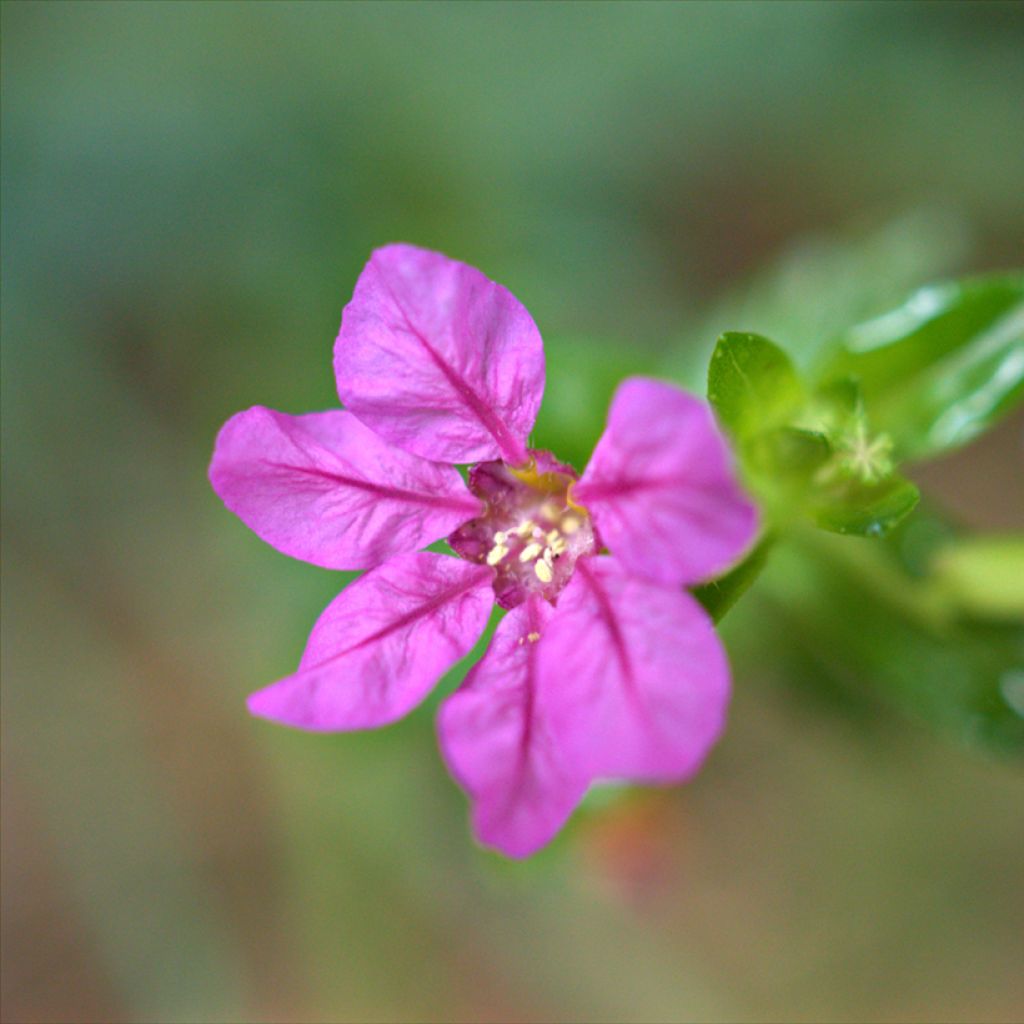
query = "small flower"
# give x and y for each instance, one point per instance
(604, 666)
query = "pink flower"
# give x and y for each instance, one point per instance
(604, 666)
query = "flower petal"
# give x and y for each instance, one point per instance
(382, 644)
(438, 359)
(636, 679)
(498, 743)
(326, 489)
(661, 486)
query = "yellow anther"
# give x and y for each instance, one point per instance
(548, 556)
(551, 536)
(558, 546)
(500, 537)
(496, 554)
(543, 571)
(533, 637)
(525, 528)
(569, 525)
(529, 553)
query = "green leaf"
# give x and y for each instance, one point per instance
(944, 366)
(865, 510)
(780, 466)
(805, 455)
(840, 476)
(752, 384)
(835, 409)
(787, 452)
(720, 595)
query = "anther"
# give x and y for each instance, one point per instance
(543, 571)
(496, 554)
(530, 552)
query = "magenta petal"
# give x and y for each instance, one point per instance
(637, 680)
(382, 644)
(498, 743)
(438, 359)
(326, 489)
(662, 489)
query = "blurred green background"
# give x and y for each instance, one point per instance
(189, 193)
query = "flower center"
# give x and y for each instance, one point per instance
(531, 532)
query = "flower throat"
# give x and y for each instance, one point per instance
(531, 532)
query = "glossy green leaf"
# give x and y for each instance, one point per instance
(752, 384)
(944, 366)
(865, 510)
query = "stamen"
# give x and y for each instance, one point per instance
(533, 637)
(496, 554)
(529, 553)
(524, 529)
(530, 533)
